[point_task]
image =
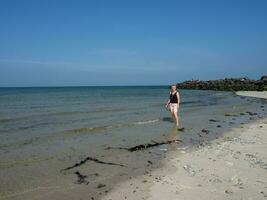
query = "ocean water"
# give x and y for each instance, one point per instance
(43, 130)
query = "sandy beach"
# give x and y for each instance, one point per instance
(262, 94)
(231, 167)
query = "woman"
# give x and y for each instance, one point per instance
(173, 104)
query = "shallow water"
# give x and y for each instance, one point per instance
(43, 130)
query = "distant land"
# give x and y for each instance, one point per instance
(227, 84)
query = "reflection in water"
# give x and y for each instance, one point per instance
(174, 135)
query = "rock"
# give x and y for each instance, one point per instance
(205, 131)
(227, 84)
(181, 129)
(100, 185)
(213, 120)
(149, 162)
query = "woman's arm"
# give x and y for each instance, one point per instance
(178, 97)
(168, 102)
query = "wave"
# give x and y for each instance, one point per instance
(147, 122)
(107, 127)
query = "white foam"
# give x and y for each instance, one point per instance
(147, 122)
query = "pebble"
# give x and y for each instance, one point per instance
(228, 191)
(189, 169)
(236, 180)
(100, 185)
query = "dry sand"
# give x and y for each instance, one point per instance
(232, 167)
(262, 94)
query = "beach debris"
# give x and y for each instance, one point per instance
(163, 149)
(181, 129)
(146, 146)
(215, 180)
(214, 120)
(229, 163)
(81, 178)
(228, 191)
(189, 169)
(149, 162)
(236, 180)
(251, 113)
(100, 185)
(254, 160)
(219, 126)
(182, 148)
(230, 115)
(91, 159)
(205, 131)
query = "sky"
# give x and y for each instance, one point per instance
(130, 42)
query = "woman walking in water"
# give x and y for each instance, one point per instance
(173, 104)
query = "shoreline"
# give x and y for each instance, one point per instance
(230, 167)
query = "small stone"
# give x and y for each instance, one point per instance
(205, 131)
(236, 180)
(100, 185)
(213, 120)
(228, 191)
(181, 129)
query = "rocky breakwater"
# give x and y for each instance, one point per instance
(227, 84)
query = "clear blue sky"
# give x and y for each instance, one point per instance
(57, 43)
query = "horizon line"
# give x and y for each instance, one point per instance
(55, 86)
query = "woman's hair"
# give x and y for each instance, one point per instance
(172, 85)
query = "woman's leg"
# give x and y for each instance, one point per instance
(176, 118)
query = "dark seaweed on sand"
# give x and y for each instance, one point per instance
(145, 146)
(91, 159)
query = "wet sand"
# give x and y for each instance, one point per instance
(231, 167)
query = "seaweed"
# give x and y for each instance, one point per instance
(81, 178)
(91, 159)
(145, 146)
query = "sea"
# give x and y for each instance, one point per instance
(46, 129)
